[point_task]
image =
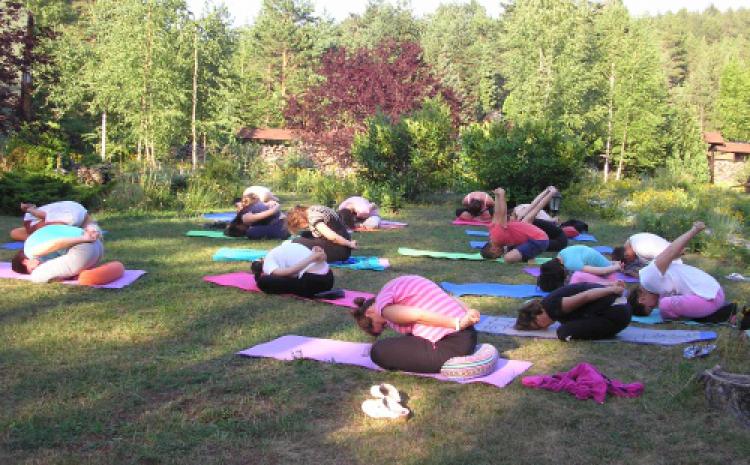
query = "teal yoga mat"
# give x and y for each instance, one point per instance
(210, 234)
(456, 255)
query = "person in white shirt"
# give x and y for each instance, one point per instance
(65, 212)
(292, 268)
(677, 289)
(263, 193)
(639, 250)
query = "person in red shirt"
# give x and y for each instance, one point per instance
(527, 241)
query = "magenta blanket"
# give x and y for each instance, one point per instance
(584, 381)
(459, 222)
(534, 271)
(128, 278)
(246, 282)
(358, 353)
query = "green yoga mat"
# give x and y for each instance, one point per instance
(211, 234)
(457, 255)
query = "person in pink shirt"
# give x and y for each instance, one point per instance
(526, 240)
(477, 206)
(359, 212)
(434, 325)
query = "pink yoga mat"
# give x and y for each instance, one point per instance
(246, 282)
(128, 278)
(459, 222)
(534, 271)
(358, 353)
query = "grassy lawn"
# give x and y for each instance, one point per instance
(147, 375)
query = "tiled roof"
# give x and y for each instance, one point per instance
(734, 147)
(267, 134)
(713, 137)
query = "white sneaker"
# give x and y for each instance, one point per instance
(384, 409)
(381, 391)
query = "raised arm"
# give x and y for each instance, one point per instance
(539, 202)
(582, 298)
(31, 209)
(334, 237)
(249, 218)
(66, 243)
(602, 270)
(408, 315)
(675, 248)
(501, 208)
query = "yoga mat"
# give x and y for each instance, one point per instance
(456, 255)
(665, 337)
(128, 278)
(385, 225)
(458, 222)
(211, 234)
(224, 216)
(12, 245)
(293, 347)
(602, 248)
(226, 254)
(583, 237)
(474, 232)
(520, 291)
(655, 318)
(533, 271)
(246, 282)
(477, 244)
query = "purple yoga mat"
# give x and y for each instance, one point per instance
(358, 353)
(128, 278)
(534, 271)
(246, 282)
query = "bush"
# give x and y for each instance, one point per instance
(17, 187)
(523, 159)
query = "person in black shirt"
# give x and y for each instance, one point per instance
(585, 311)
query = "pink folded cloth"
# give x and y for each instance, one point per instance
(584, 381)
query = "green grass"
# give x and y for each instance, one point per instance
(147, 375)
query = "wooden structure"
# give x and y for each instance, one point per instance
(726, 160)
(267, 135)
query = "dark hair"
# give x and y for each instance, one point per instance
(347, 217)
(618, 254)
(475, 207)
(18, 263)
(551, 275)
(363, 321)
(526, 319)
(635, 307)
(489, 253)
(257, 267)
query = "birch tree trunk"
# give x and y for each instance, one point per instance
(608, 150)
(195, 98)
(104, 136)
(622, 152)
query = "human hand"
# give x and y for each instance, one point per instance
(618, 288)
(25, 207)
(91, 234)
(471, 317)
(618, 266)
(318, 254)
(699, 226)
(353, 244)
(499, 191)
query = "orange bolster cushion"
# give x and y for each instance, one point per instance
(570, 231)
(102, 274)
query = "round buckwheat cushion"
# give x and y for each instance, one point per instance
(481, 363)
(102, 274)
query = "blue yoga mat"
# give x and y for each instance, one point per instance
(583, 237)
(475, 232)
(602, 248)
(226, 254)
(520, 291)
(12, 245)
(477, 244)
(225, 216)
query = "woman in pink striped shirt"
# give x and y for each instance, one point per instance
(435, 326)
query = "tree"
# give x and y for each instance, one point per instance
(686, 152)
(379, 23)
(733, 104)
(392, 79)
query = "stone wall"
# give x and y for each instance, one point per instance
(727, 171)
(275, 154)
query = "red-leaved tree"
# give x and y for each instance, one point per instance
(391, 78)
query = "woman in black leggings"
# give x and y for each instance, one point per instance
(557, 238)
(325, 229)
(434, 326)
(293, 269)
(585, 311)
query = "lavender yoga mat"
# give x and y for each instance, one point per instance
(246, 282)
(128, 278)
(12, 245)
(385, 225)
(666, 337)
(534, 271)
(293, 347)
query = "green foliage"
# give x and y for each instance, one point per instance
(734, 101)
(414, 156)
(523, 159)
(17, 187)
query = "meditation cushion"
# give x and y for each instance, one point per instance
(570, 231)
(102, 274)
(481, 363)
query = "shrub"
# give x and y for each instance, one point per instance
(17, 187)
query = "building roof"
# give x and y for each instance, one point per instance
(734, 147)
(713, 137)
(266, 134)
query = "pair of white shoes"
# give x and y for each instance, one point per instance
(386, 403)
